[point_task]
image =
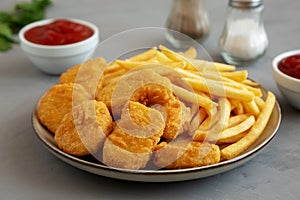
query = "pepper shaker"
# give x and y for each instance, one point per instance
(244, 38)
(189, 21)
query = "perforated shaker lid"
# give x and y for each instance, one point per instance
(245, 3)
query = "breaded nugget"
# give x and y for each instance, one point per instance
(134, 137)
(58, 101)
(84, 129)
(87, 74)
(151, 89)
(105, 95)
(186, 155)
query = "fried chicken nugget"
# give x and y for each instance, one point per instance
(151, 89)
(186, 155)
(87, 74)
(58, 101)
(83, 130)
(105, 95)
(134, 137)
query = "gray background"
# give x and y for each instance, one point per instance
(28, 171)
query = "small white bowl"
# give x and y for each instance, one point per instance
(288, 86)
(55, 59)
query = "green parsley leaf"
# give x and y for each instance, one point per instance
(22, 14)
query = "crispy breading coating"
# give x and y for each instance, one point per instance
(105, 93)
(134, 137)
(83, 130)
(58, 101)
(87, 74)
(151, 89)
(186, 155)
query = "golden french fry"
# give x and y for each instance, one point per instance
(145, 55)
(222, 122)
(240, 146)
(216, 123)
(218, 89)
(236, 119)
(195, 64)
(259, 102)
(162, 57)
(251, 83)
(190, 53)
(251, 107)
(131, 64)
(198, 118)
(112, 67)
(232, 132)
(254, 90)
(238, 76)
(115, 74)
(239, 110)
(202, 115)
(171, 54)
(203, 65)
(232, 139)
(209, 122)
(203, 100)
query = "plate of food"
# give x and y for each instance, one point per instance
(156, 115)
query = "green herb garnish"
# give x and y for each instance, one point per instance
(22, 14)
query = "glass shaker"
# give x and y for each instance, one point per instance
(189, 20)
(244, 38)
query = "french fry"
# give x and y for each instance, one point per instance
(203, 65)
(215, 124)
(145, 55)
(217, 89)
(250, 83)
(251, 107)
(259, 102)
(112, 67)
(115, 74)
(222, 122)
(238, 76)
(190, 53)
(240, 146)
(202, 100)
(232, 139)
(231, 133)
(235, 120)
(162, 57)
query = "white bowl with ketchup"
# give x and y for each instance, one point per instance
(54, 45)
(286, 72)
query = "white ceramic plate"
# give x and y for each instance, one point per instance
(161, 175)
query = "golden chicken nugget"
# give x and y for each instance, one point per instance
(83, 130)
(87, 74)
(149, 88)
(105, 95)
(186, 155)
(58, 101)
(134, 137)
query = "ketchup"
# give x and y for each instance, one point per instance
(59, 32)
(290, 66)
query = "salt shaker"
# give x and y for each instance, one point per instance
(244, 38)
(187, 17)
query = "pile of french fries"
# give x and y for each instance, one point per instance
(234, 121)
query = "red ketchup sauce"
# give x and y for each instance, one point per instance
(59, 32)
(290, 66)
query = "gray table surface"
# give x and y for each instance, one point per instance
(28, 171)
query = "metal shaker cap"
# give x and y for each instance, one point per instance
(244, 4)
